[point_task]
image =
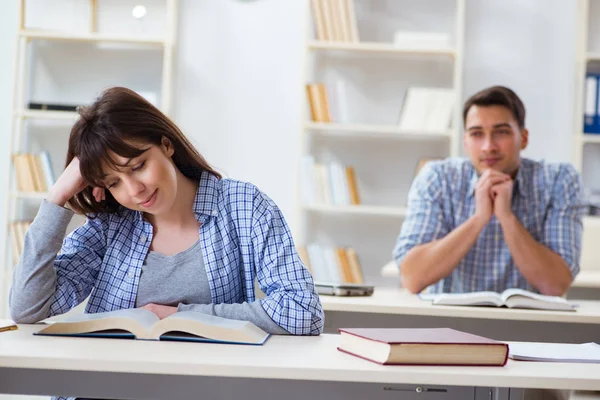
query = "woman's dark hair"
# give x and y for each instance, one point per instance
(121, 121)
(497, 96)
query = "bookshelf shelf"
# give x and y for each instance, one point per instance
(48, 115)
(378, 48)
(90, 37)
(593, 56)
(380, 211)
(372, 131)
(590, 138)
(29, 195)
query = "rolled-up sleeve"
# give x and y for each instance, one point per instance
(563, 228)
(291, 299)
(424, 221)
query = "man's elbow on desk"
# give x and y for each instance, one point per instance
(410, 280)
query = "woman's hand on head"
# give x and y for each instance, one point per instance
(69, 183)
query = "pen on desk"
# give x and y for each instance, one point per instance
(9, 328)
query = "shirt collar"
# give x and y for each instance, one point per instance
(207, 195)
(519, 186)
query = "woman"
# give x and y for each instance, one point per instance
(164, 232)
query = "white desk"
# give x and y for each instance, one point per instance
(139, 369)
(391, 307)
(587, 278)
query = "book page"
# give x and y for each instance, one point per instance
(521, 292)
(135, 320)
(143, 317)
(471, 298)
(210, 327)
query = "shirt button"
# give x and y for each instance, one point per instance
(214, 213)
(143, 238)
(130, 274)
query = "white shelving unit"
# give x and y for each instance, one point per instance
(586, 147)
(384, 157)
(22, 205)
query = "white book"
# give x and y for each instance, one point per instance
(318, 262)
(340, 184)
(555, 352)
(332, 265)
(421, 40)
(308, 184)
(354, 36)
(511, 298)
(415, 109)
(591, 88)
(47, 169)
(325, 183)
(439, 110)
(341, 101)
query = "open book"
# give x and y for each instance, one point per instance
(512, 298)
(137, 323)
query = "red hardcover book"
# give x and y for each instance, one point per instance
(430, 346)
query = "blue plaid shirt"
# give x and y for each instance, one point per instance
(547, 200)
(244, 236)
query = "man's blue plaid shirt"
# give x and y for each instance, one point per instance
(547, 200)
(244, 236)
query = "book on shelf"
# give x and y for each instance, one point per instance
(328, 102)
(555, 352)
(335, 20)
(138, 323)
(18, 229)
(318, 102)
(511, 298)
(427, 110)
(591, 105)
(330, 183)
(333, 264)
(33, 172)
(421, 40)
(52, 107)
(422, 346)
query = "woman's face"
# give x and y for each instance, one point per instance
(146, 183)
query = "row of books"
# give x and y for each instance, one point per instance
(424, 109)
(329, 183)
(34, 172)
(335, 20)
(332, 264)
(17, 233)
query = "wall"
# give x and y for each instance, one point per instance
(8, 26)
(239, 70)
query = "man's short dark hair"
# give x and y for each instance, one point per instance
(497, 96)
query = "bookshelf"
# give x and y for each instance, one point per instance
(360, 122)
(586, 146)
(73, 61)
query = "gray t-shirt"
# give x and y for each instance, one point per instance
(170, 280)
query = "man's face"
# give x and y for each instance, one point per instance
(493, 139)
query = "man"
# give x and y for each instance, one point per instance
(494, 221)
